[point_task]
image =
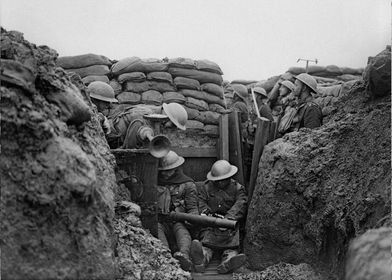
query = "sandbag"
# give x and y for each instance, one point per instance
(136, 87)
(201, 76)
(116, 86)
(218, 108)
(89, 79)
(329, 91)
(173, 96)
(296, 70)
(70, 101)
(127, 97)
(192, 93)
(348, 77)
(94, 70)
(132, 77)
(212, 89)
(243, 82)
(209, 98)
(181, 62)
(208, 117)
(194, 125)
(211, 130)
(161, 86)
(197, 104)
(352, 71)
(316, 69)
(81, 61)
(193, 114)
(160, 77)
(202, 95)
(152, 97)
(135, 64)
(186, 83)
(208, 66)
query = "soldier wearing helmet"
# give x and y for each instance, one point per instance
(222, 197)
(308, 112)
(129, 129)
(102, 95)
(280, 97)
(176, 192)
(261, 99)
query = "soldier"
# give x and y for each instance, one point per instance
(308, 112)
(176, 192)
(221, 196)
(261, 99)
(102, 95)
(280, 96)
(128, 128)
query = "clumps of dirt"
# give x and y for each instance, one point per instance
(281, 271)
(317, 189)
(57, 175)
(141, 256)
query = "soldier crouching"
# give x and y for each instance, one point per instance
(176, 192)
(221, 197)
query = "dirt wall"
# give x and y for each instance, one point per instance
(318, 189)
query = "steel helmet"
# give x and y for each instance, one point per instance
(176, 114)
(308, 80)
(288, 84)
(170, 161)
(220, 170)
(240, 90)
(101, 91)
(261, 91)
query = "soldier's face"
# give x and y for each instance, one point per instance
(221, 184)
(166, 174)
(283, 91)
(298, 87)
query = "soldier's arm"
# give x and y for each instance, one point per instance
(203, 200)
(312, 117)
(237, 211)
(191, 201)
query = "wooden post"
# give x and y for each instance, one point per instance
(235, 147)
(261, 139)
(224, 137)
(272, 132)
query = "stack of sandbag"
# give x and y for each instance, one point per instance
(90, 67)
(196, 84)
(330, 71)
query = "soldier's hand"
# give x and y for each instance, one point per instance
(219, 216)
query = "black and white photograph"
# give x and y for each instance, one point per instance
(195, 140)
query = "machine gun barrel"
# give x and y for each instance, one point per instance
(207, 221)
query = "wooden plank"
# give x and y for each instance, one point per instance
(196, 151)
(235, 146)
(223, 150)
(143, 167)
(261, 139)
(272, 132)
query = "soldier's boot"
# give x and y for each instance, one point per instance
(231, 260)
(183, 239)
(200, 256)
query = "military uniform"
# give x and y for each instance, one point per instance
(230, 203)
(308, 115)
(179, 194)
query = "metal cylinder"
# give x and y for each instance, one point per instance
(203, 220)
